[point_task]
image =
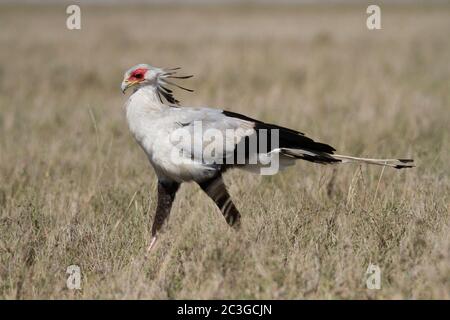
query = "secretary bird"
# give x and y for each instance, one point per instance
(154, 124)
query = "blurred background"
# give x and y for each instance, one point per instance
(76, 189)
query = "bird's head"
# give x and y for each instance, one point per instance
(145, 75)
(139, 75)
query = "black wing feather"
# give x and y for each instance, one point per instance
(288, 138)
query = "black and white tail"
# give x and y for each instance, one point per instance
(330, 158)
(294, 145)
(395, 163)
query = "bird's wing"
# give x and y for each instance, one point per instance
(208, 134)
(235, 129)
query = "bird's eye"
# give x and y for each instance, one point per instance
(138, 76)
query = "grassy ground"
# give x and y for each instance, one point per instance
(76, 189)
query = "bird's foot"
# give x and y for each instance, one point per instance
(151, 245)
(234, 221)
(236, 225)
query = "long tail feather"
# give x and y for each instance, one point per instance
(395, 163)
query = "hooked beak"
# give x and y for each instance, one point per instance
(127, 84)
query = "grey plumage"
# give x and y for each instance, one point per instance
(153, 124)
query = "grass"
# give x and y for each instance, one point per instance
(76, 189)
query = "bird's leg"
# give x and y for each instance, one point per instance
(166, 195)
(217, 191)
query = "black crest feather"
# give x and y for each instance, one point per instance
(164, 92)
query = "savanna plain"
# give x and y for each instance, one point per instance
(75, 189)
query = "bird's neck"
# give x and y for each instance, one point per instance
(145, 99)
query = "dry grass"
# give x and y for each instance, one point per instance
(76, 189)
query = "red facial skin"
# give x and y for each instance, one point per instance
(137, 75)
